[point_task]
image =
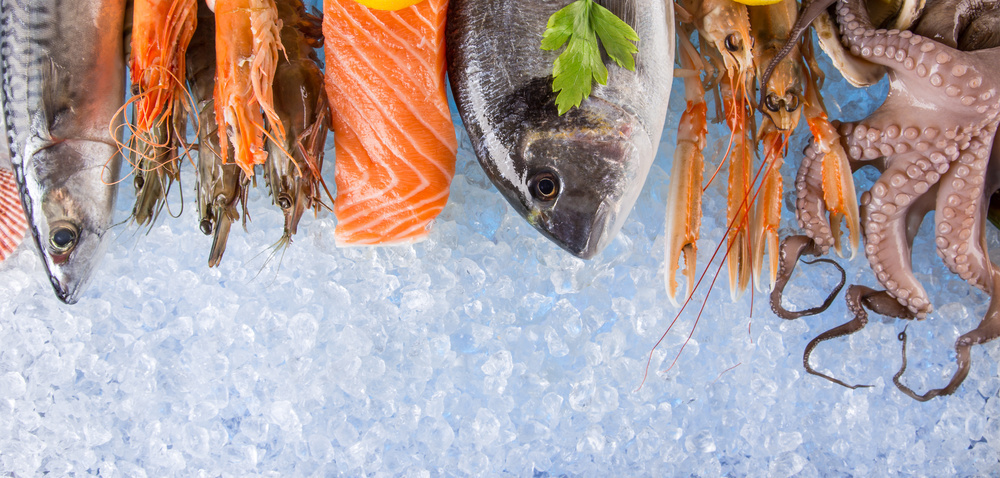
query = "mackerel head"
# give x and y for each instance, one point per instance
(62, 84)
(574, 177)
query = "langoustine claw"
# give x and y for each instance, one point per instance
(684, 197)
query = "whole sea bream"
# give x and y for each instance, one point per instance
(574, 177)
(63, 81)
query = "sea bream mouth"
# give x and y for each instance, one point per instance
(582, 175)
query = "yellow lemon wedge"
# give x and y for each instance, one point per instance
(758, 2)
(388, 4)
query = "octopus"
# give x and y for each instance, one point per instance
(932, 140)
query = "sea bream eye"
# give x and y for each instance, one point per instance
(63, 238)
(545, 186)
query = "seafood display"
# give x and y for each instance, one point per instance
(574, 177)
(63, 82)
(488, 345)
(570, 158)
(394, 139)
(737, 45)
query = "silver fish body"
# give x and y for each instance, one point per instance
(574, 177)
(63, 82)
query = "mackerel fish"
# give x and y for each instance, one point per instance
(63, 82)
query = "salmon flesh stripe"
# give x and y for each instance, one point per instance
(12, 222)
(393, 135)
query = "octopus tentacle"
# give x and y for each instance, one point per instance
(858, 298)
(988, 330)
(886, 134)
(810, 207)
(927, 66)
(934, 140)
(960, 201)
(792, 248)
(890, 216)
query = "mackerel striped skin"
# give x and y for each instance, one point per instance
(63, 81)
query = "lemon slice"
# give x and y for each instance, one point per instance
(758, 2)
(388, 4)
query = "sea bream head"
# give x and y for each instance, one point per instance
(70, 210)
(574, 176)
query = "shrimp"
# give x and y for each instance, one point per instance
(724, 32)
(247, 42)
(682, 230)
(161, 31)
(293, 168)
(724, 36)
(771, 26)
(222, 187)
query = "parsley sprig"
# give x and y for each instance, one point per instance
(580, 24)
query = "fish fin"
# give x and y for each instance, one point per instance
(56, 103)
(12, 222)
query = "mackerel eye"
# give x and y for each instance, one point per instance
(733, 42)
(545, 186)
(63, 238)
(771, 102)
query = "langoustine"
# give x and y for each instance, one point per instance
(723, 28)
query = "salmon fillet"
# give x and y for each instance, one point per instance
(393, 135)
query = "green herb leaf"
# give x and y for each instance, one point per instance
(578, 26)
(617, 37)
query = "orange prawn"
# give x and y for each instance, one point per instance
(724, 32)
(247, 43)
(161, 33)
